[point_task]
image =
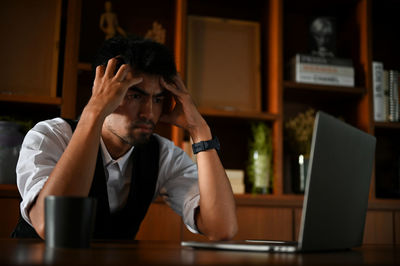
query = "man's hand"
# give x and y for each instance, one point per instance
(109, 89)
(185, 113)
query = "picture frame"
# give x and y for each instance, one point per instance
(30, 53)
(223, 64)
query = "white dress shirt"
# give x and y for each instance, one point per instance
(46, 141)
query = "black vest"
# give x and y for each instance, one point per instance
(125, 223)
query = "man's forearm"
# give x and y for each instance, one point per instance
(217, 215)
(73, 173)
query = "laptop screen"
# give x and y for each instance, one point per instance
(337, 188)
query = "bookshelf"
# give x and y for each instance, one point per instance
(385, 49)
(363, 36)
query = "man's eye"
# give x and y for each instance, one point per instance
(133, 96)
(158, 99)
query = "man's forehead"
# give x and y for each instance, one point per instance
(150, 85)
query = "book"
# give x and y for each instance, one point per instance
(322, 70)
(331, 61)
(378, 92)
(386, 93)
(393, 86)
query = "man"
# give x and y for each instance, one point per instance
(133, 165)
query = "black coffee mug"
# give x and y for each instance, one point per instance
(69, 221)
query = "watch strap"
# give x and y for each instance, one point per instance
(206, 145)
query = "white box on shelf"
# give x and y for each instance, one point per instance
(236, 178)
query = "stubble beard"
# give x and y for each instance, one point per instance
(135, 138)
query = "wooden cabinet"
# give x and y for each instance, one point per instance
(9, 207)
(160, 223)
(51, 91)
(271, 217)
(259, 217)
(379, 228)
(365, 34)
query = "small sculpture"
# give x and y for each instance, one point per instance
(157, 33)
(109, 22)
(322, 30)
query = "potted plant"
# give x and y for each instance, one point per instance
(299, 131)
(259, 168)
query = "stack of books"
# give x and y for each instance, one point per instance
(386, 93)
(236, 178)
(322, 70)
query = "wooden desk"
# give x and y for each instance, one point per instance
(34, 252)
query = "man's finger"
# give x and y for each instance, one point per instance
(171, 87)
(100, 71)
(179, 82)
(110, 69)
(134, 80)
(122, 72)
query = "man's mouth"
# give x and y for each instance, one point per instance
(145, 127)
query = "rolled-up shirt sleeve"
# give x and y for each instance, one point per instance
(41, 149)
(178, 182)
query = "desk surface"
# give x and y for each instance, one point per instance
(34, 252)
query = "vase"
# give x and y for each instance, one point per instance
(10, 145)
(261, 170)
(299, 172)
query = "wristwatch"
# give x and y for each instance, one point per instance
(206, 145)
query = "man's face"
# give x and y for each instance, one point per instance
(134, 121)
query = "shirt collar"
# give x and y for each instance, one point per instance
(108, 160)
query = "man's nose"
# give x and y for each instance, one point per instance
(146, 109)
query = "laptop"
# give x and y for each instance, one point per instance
(336, 193)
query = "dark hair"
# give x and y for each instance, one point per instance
(143, 55)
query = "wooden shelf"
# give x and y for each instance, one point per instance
(238, 114)
(9, 191)
(288, 200)
(296, 201)
(290, 85)
(30, 99)
(384, 204)
(84, 66)
(395, 125)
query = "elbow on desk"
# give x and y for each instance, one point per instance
(227, 233)
(40, 230)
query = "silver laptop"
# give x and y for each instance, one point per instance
(336, 194)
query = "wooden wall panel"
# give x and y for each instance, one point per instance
(264, 223)
(379, 227)
(9, 208)
(160, 223)
(397, 227)
(297, 221)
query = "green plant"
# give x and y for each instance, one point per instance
(299, 132)
(259, 168)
